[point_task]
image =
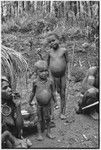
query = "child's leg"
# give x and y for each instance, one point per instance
(56, 85)
(48, 120)
(52, 101)
(42, 122)
(39, 111)
(49, 135)
(52, 109)
(40, 138)
(63, 99)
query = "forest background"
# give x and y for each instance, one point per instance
(25, 26)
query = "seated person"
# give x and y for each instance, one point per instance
(90, 92)
(10, 141)
(11, 111)
(12, 123)
(91, 79)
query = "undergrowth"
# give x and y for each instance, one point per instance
(28, 32)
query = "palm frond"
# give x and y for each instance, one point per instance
(13, 63)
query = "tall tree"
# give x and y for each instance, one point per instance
(28, 5)
(20, 8)
(32, 6)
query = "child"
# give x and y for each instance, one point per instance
(58, 63)
(43, 90)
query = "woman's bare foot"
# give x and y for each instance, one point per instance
(39, 138)
(49, 135)
(62, 117)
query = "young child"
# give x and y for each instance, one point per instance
(43, 90)
(58, 63)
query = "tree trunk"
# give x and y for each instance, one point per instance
(75, 8)
(89, 9)
(67, 8)
(51, 6)
(81, 7)
(32, 6)
(35, 5)
(19, 7)
(23, 6)
(16, 8)
(56, 9)
(47, 6)
(12, 9)
(62, 9)
(28, 6)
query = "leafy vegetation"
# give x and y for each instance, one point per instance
(73, 22)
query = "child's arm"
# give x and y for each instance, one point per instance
(67, 62)
(40, 54)
(66, 55)
(48, 63)
(32, 93)
(53, 91)
(48, 60)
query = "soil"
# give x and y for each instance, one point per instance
(77, 131)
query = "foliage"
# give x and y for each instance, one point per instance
(50, 22)
(78, 73)
(62, 20)
(43, 21)
(14, 65)
(9, 26)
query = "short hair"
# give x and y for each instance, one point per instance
(41, 64)
(54, 35)
(4, 78)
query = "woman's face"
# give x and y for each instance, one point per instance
(6, 90)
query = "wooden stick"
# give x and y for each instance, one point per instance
(90, 105)
(73, 55)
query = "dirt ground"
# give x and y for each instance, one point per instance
(77, 131)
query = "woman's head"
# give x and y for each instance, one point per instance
(6, 90)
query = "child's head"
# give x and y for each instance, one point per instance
(53, 40)
(42, 69)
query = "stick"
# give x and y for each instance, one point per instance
(39, 54)
(90, 105)
(73, 54)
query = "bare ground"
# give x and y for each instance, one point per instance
(77, 131)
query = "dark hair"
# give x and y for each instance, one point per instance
(53, 34)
